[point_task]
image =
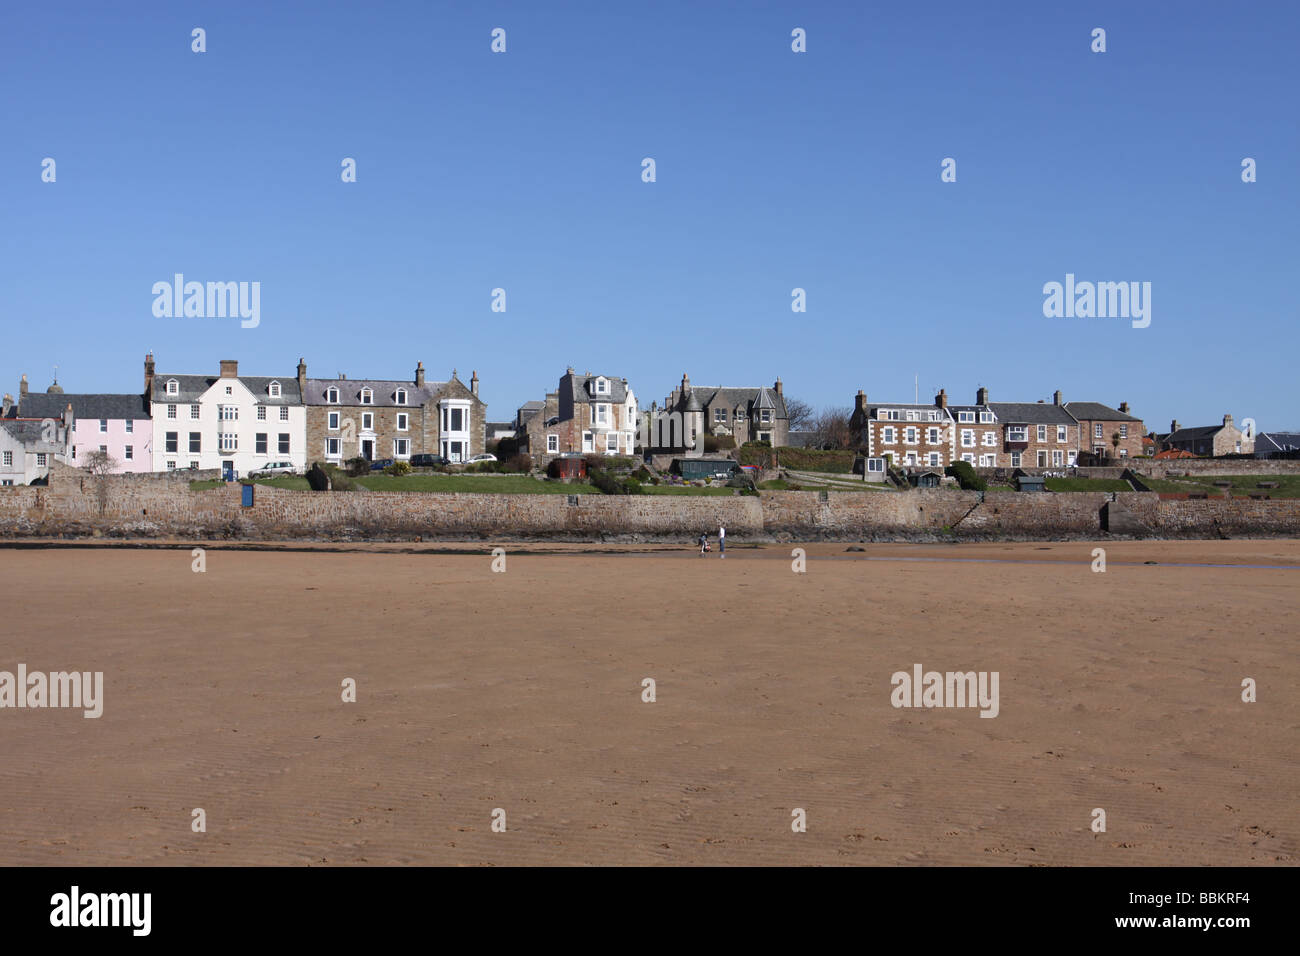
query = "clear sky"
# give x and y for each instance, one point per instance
(775, 170)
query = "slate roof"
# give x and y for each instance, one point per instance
(1199, 433)
(740, 396)
(582, 388)
(27, 431)
(1270, 442)
(383, 391)
(193, 387)
(88, 405)
(1031, 413)
(1096, 411)
(972, 408)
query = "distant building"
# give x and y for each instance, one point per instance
(1277, 445)
(1208, 441)
(118, 425)
(1038, 435)
(1099, 424)
(29, 446)
(592, 414)
(905, 434)
(744, 413)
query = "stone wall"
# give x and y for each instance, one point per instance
(148, 506)
(1213, 466)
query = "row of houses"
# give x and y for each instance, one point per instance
(240, 423)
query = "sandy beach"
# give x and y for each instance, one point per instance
(522, 690)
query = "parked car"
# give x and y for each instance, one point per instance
(275, 468)
(429, 461)
(478, 458)
(381, 464)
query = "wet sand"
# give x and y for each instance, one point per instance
(522, 691)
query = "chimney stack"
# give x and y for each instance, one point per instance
(1227, 421)
(22, 387)
(229, 368)
(302, 378)
(982, 396)
(473, 382)
(419, 375)
(941, 399)
(860, 401)
(1056, 399)
(778, 386)
(1123, 407)
(1173, 426)
(8, 404)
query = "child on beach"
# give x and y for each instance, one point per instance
(704, 544)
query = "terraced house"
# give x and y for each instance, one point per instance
(1105, 431)
(589, 414)
(235, 423)
(906, 434)
(1036, 434)
(977, 433)
(118, 425)
(30, 446)
(391, 418)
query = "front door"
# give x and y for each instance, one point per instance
(368, 449)
(228, 470)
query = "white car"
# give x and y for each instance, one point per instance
(477, 458)
(276, 468)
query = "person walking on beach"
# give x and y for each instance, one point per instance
(704, 543)
(722, 541)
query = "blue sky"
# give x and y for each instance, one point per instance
(775, 170)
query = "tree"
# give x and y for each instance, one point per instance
(799, 414)
(101, 464)
(831, 429)
(1114, 440)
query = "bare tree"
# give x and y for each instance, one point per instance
(831, 428)
(101, 464)
(799, 414)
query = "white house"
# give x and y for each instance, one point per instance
(234, 423)
(29, 446)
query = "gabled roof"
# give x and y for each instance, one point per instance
(1096, 411)
(28, 431)
(382, 392)
(740, 396)
(1031, 413)
(1277, 441)
(582, 388)
(191, 388)
(90, 405)
(1199, 433)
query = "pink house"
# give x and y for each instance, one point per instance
(118, 424)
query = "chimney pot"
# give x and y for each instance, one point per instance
(1123, 407)
(22, 385)
(419, 374)
(982, 396)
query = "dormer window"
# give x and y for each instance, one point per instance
(173, 387)
(367, 397)
(332, 396)
(274, 389)
(602, 386)
(400, 396)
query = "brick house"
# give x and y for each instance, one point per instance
(1209, 441)
(593, 414)
(1098, 424)
(1036, 434)
(118, 425)
(745, 413)
(909, 435)
(977, 433)
(390, 418)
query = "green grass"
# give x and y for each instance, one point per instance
(1242, 485)
(478, 484)
(291, 482)
(1087, 484)
(685, 490)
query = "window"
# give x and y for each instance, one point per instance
(1042, 433)
(129, 452)
(600, 414)
(333, 421)
(195, 443)
(130, 427)
(194, 466)
(767, 416)
(932, 436)
(552, 444)
(9, 459)
(172, 439)
(911, 416)
(1123, 431)
(7, 482)
(194, 412)
(611, 443)
(173, 387)
(333, 448)
(103, 425)
(910, 435)
(228, 413)
(720, 415)
(1123, 453)
(968, 458)
(1058, 458)
(965, 416)
(453, 419)
(1096, 430)
(399, 397)
(261, 413)
(934, 459)
(402, 447)
(230, 390)
(368, 421)
(887, 435)
(229, 441)
(1017, 433)
(602, 386)
(990, 439)
(332, 396)
(1042, 458)
(284, 413)
(738, 415)
(284, 443)
(986, 418)
(274, 389)
(1060, 433)
(875, 464)
(367, 397)
(41, 458)
(403, 421)
(588, 441)
(171, 466)
(171, 411)
(1015, 459)
(987, 461)
(259, 444)
(968, 438)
